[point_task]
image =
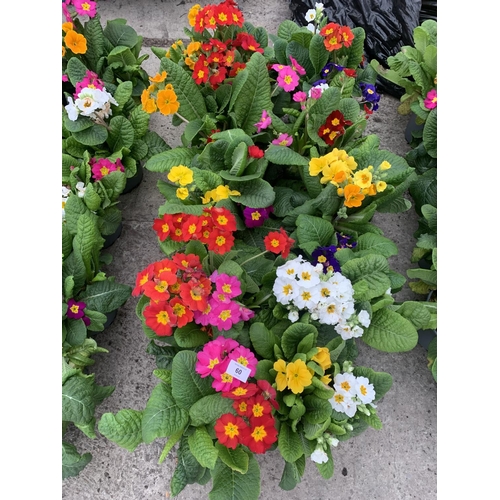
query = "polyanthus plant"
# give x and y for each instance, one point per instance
(229, 77)
(240, 374)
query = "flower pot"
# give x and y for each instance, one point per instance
(425, 337)
(412, 127)
(133, 182)
(110, 318)
(109, 239)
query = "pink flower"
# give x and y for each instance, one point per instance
(85, 7)
(203, 317)
(224, 316)
(264, 122)
(245, 357)
(229, 286)
(65, 78)
(300, 96)
(288, 79)
(223, 381)
(283, 140)
(246, 313)
(91, 80)
(430, 102)
(102, 167)
(277, 67)
(297, 67)
(208, 359)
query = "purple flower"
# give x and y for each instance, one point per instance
(75, 309)
(255, 217)
(344, 241)
(327, 69)
(325, 257)
(370, 94)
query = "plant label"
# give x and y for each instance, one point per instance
(238, 371)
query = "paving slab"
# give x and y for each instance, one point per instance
(398, 462)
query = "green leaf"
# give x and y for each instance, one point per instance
(139, 120)
(263, 340)
(78, 401)
(93, 136)
(105, 296)
(230, 484)
(256, 193)
(317, 53)
(76, 332)
(326, 469)
(289, 443)
(202, 448)
(286, 29)
(292, 474)
(163, 162)
(317, 409)
(191, 102)
(390, 332)
(121, 133)
(281, 155)
(374, 243)
(124, 428)
(162, 416)
(311, 228)
(255, 94)
(187, 386)
(292, 337)
(75, 70)
(119, 33)
(416, 313)
(123, 92)
(236, 459)
(72, 462)
(190, 336)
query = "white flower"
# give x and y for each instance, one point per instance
(329, 313)
(364, 390)
(344, 330)
(80, 186)
(285, 290)
(65, 193)
(357, 331)
(311, 28)
(72, 110)
(319, 456)
(331, 440)
(319, 6)
(110, 98)
(89, 100)
(345, 383)
(343, 403)
(293, 316)
(289, 268)
(364, 318)
(310, 15)
(307, 298)
(388, 291)
(318, 88)
(308, 275)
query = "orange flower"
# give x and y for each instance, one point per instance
(158, 78)
(353, 196)
(67, 26)
(193, 11)
(167, 102)
(75, 42)
(148, 103)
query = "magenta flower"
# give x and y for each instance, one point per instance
(245, 357)
(210, 357)
(229, 286)
(85, 7)
(283, 140)
(75, 309)
(264, 122)
(300, 96)
(246, 313)
(430, 102)
(288, 79)
(224, 316)
(65, 78)
(91, 80)
(224, 382)
(203, 317)
(297, 67)
(102, 167)
(277, 67)
(255, 217)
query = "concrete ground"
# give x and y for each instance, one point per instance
(398, 462)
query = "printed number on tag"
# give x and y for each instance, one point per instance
(238, 371)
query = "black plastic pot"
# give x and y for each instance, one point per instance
(133, 182)
(109, 239)
(110, 318)
(412, 127)
(425, 337)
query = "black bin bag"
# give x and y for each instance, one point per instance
(388, 25)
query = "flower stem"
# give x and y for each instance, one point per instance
(181, 117)
(254, 257)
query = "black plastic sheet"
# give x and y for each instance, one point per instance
(388, 25)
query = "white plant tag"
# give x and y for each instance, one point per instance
(238, 371)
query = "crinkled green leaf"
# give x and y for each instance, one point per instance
(236, 459)
(92, 136)
(256, 193)
(163, 162)
(316, 229)
(202, 447)
(208, 409)
(105, 296)
(281, 155)
(72, 462)
(124, 428)
(263, 340)
(119, 33)
(289, 443)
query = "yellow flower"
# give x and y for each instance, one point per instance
(385, 165)
(323, 358)
(280, 367)
(67, 26)
(326, 379)
(219, 193)
(381, 185)
(63, 50)
(193, 11)
(298, 376)
(336, 173)
(371, 190)
(181, 174)
(316, 165)
(167, 102)
(76, 42)
(363, 178)
(189, 63)
(182, 193)
(158, 78)
(192, 47)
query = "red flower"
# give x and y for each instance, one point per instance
(262, 434)
(350, 72)
(182, 314)
(230, 429)
(223, 219)
(160, 318)
(279, 242)
(163, 226)
(236, 68)
(142, 278)
(189, 262)
(243, 391)
(268, 392)
(220, 241)
(255, 152)
(258, 407)
(200, 70)
(195, 293)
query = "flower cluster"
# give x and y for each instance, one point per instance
(338, 168)
(213, 228)
(159, 96)
(180, 292)
(299, 285)
(352, 394)
(326, 255)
